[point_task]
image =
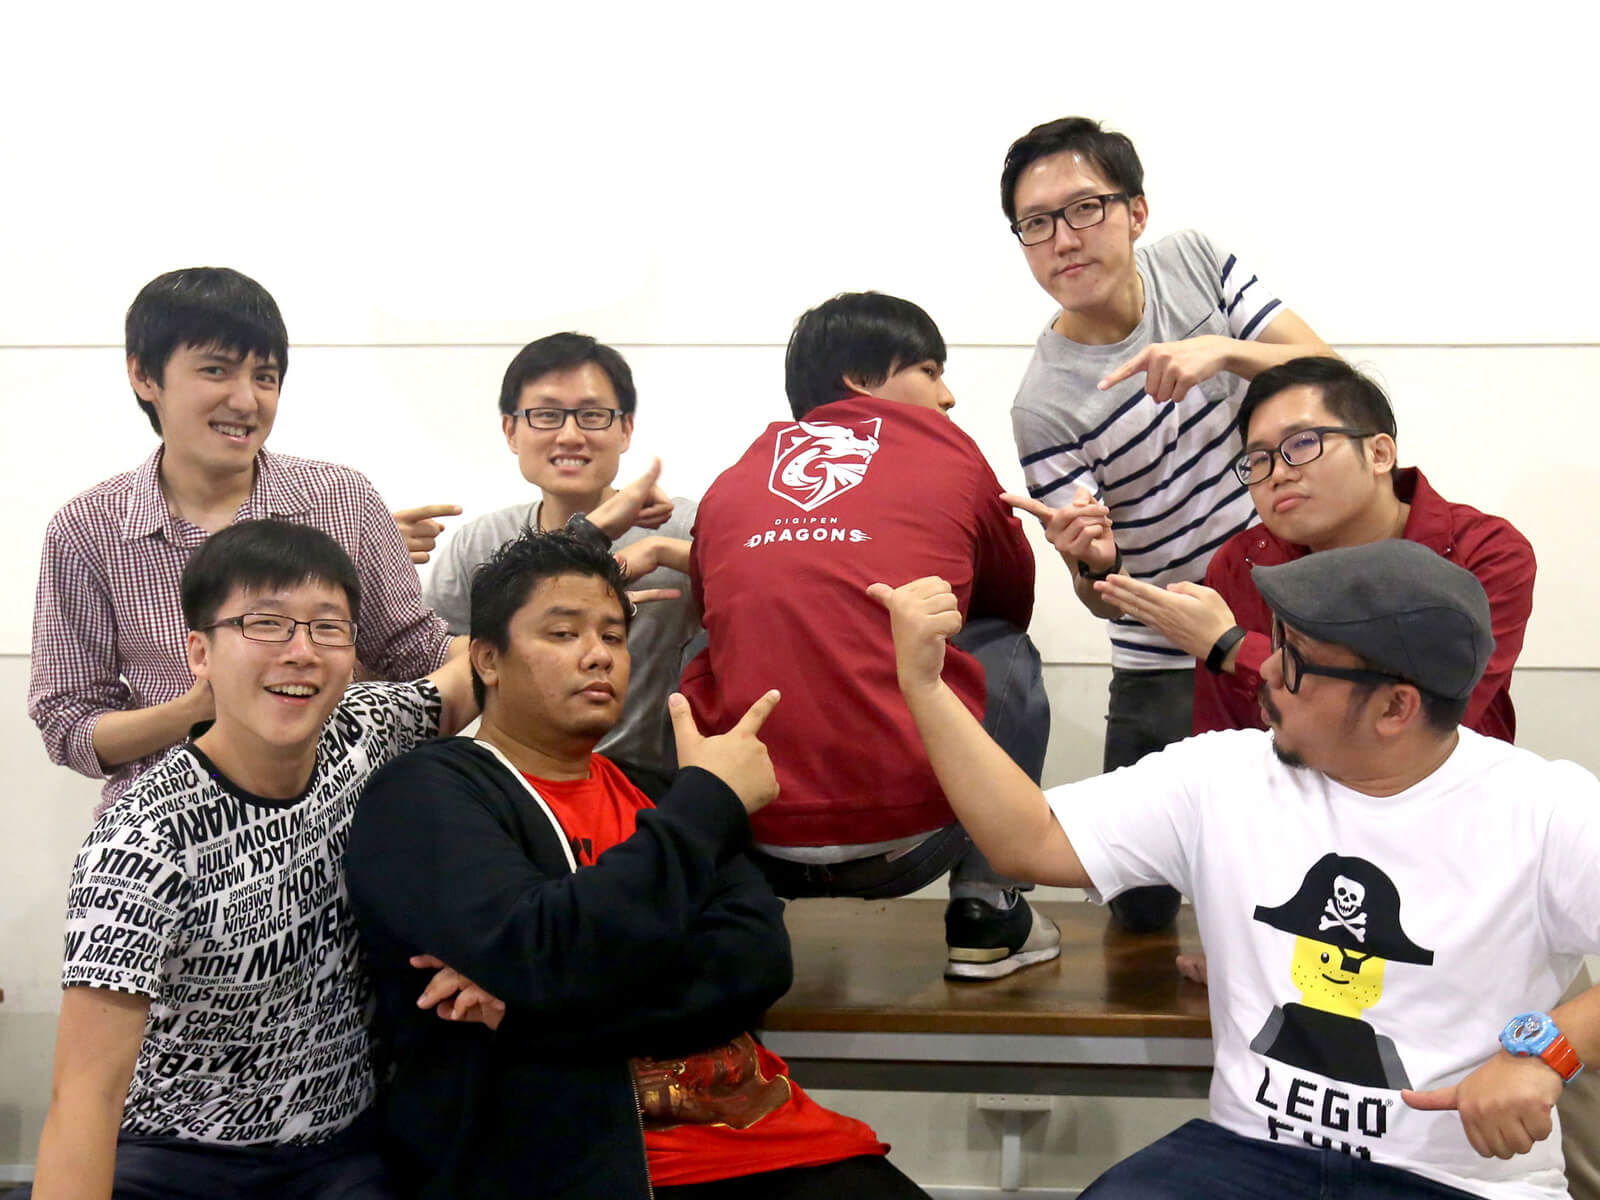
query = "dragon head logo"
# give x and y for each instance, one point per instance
(813, 462)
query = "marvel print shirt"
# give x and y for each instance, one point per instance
(230, 912)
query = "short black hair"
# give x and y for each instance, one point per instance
(257, 555)
(1112, 153)
(202, 306)
(1440, 714)
(866, 335)
(502, 584)
(562, 352)
(1349, 395)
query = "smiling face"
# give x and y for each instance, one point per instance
(1084, 270)
(1316, 504)
(273, 698)
(1337, 981)
(564, 672)
(575, 464)
(216, 406)
(921, 384)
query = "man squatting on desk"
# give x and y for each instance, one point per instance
(1392, 904)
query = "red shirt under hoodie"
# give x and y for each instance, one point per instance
(786, 542)
(1489, 547)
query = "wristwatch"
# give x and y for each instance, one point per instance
(1533, 1034)
(1088, 572)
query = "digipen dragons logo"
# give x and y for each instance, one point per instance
(814, 462)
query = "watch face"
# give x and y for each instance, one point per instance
(1529, 1027)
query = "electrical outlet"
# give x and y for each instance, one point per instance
(1012, 1102)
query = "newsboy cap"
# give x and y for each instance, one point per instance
(1396, 603)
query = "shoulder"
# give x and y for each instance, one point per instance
(92, 507)
(320, 480)
(681, 523)
(1473, 532)
(375, 705)
(447, 769)
(480, 537)
(1187, 250)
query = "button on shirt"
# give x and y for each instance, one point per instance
(108, 629)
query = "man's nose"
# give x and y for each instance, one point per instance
(1065, 236)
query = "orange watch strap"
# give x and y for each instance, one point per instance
(1562, 1058)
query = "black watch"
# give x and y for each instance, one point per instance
(579, 525)
(1222, 648)
(1085, 571)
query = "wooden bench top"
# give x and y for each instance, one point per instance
(876, 967)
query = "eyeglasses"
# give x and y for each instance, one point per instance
(555, 418)
(1080, 214)
(1296, 668)
(1296, 450)
(273, 627)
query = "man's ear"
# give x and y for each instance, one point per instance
(1385, 454)
(485, 659)
(146, 388)
(858, 385)
(627, 431)
(1138, 214)
(198, 651)
(508, 426)
(1402, 709)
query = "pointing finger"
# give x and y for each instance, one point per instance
(756, 716)
(1029, 505)
(1132, 367)
(426, 512)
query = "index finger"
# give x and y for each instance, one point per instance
(1132, 367)
(1437, 1100)
(426, 511)
(1029, 505)
(756, 715)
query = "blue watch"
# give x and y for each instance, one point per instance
(1534, 1035)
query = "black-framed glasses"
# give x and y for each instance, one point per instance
(1296, 668)
(585, 418)
(1084, 213)
(275, 627)
(1296, 450)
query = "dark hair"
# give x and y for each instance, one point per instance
(502, 584)
(866, 335)
(1348, 394)
(562, 352)
(1112, 153)
(202, 306)
(1440, 714)
(257, 555)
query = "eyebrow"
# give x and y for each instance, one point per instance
(562, 611)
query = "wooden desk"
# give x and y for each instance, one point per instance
(871, 1009)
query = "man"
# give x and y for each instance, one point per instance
(870, 478)
(213, 1034)
(1126, 481)
(110, 687)
(626, 948)
(567, 411)
(1387, 899)
(1321, 465)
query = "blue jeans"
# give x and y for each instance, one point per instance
(1203, 1161)
(1016, 714)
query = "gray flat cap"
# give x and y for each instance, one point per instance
(1396, 603)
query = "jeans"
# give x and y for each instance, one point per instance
(346, 1167)
(867, 1177)
(1203, 1161)
(1147, 710)
(1016, 714)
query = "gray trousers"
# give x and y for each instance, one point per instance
(1016, 714)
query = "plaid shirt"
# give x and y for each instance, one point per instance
(108, 630)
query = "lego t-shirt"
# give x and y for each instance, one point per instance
(1356, 944)
(230, 912)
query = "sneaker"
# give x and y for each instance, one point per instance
(987, 942)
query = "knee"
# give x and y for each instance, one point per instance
(1146, 909)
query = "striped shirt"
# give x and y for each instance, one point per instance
(1164, 470)
(108, 629)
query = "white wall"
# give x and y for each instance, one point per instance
(425, 189)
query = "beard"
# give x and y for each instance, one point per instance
(1288, 758)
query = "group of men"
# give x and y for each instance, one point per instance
(562, 953)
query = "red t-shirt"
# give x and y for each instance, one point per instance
(596, 813)
(786, 543)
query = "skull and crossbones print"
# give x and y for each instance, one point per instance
(1343, 909)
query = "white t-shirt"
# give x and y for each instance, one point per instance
(230, 912)
(1478, 889)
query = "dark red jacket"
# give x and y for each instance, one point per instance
(1489, 547)
(785, 543)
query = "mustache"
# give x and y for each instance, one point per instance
(1264, 698)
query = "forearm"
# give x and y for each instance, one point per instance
(1091, 599)
(78, 1149)
(1248, 359)
(1003, 811)
(126, 736)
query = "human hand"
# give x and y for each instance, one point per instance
(1172, 368)
(454, 997)
(639, 503)
(1080, 532)
(200, 703)
(1504, 1105)
(1193, 968)
(923, 615)
(737, 757)
(1189, 615)
(639, 558)
(420, 530)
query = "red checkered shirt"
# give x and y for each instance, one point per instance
(108, 630)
